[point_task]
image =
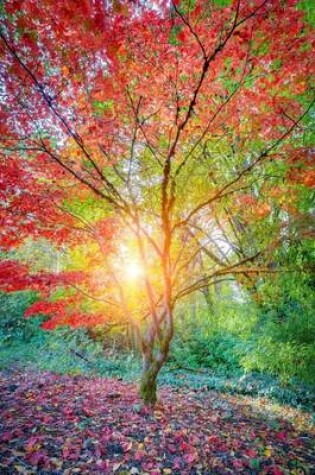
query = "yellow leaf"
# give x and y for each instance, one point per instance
(21, 469)
(158, 414)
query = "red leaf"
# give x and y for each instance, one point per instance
(281, 436)
(190, 458)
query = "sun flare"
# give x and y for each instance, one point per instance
(133, 270)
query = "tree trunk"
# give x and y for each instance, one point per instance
(153, 361)
(155, 345)
(148, 385)
(208, 299)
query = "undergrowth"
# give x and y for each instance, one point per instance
(200, 361)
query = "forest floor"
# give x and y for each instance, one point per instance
(59, 424)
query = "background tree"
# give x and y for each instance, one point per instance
(158, 134)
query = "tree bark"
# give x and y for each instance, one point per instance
(151, 368)
(154, 352)
(148, 384)
(208, 299)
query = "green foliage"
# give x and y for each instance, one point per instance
(283, 342)
(187, 6)
(285, 359)
(307, 6)
(270, 338)
(40, 255)
(102, 106)
(215, 339)
(13, 327)
(260, 349)
(173, 35)
(223, 3)
(218, 352)
(64, 350)
(67, 351)
(294, 393)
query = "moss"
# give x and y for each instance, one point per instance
(148, 388)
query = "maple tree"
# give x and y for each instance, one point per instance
(149, 140)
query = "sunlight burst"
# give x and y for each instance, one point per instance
(134, 270)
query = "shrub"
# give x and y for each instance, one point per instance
(13, 326)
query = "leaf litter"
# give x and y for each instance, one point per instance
(53, 424)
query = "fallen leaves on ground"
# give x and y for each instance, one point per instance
(54, 424)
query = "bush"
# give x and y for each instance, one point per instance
(284, 341)
(219, 351)
(13, 326)
(286, 359)
(66, 351)
(63, 350)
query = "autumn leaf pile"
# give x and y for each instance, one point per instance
(53, 424)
